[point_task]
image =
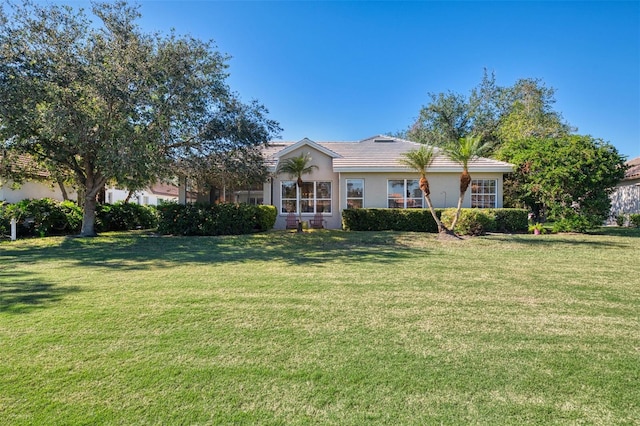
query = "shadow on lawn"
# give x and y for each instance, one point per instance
(145, 251)
(21, 294)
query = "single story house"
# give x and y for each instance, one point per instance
(626, 197)
(369, 174)
(156, 194)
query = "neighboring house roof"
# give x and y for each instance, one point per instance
(633, 172)
(164, 189)
(378, 154)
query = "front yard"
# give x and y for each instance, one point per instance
(324, 327)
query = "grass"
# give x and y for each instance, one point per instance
(324, 327)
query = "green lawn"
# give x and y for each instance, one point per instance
(324, 327)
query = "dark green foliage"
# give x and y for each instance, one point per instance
(572, 223)
(472, 221)
(561, 178)
(634, 220)
(42, 217)
(265, 217)
(217, 219)
(510, 220)
(416, 220)
(125, 216)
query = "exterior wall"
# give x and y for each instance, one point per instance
(33, 190)
(625, 199)
(322, 173)
(445, 188)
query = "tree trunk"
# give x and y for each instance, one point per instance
(89, 216)
(63, 190)
(129, 195)
(457, 216)
(465, 181)
(441, 227)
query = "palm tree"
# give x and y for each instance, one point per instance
(463, 152)
(420, 160)
(296, 167)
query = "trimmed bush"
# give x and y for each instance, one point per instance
(415, 220)
(43, 217)
(471, 222)
(634, 220)
(265, 217)
(125, 216)
(217, 219)
(511, 220)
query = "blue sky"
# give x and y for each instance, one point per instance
(348, 70)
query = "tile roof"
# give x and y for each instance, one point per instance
(633, 172)
(382, 154)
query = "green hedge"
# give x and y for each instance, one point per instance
(416, 220)
(217, 219)
(471, 222)
(39, 218)
(43, 217)
(634, 220)
(122, 216)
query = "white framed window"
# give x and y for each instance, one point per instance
(289, 197)
(355, 193)
(404, 194)
(484, 193)
(315, 197)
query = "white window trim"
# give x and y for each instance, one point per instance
(347, 198)
(314, 200)
(404, 193)
(495, 194)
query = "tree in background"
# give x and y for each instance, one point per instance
(105, 102)
(567, 179)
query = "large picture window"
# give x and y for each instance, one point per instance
(315, 197)
(355, 193)
(404, 194)
(484, 193)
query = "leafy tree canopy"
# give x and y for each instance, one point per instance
(105, 102)
(490, 112)
(564, 178)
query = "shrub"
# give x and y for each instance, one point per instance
(416, 220)
(620, 219)
(471, 222)
(510, 220)
(217, 219)
(125, 216)
(634, 220)
(43, 217)
(572, 223)
(265, 217)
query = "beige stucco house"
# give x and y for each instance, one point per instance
(369, 174)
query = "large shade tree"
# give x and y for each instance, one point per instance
(104, 101)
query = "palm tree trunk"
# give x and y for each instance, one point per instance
(457, 216)
(441, 227)
(465, 181)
